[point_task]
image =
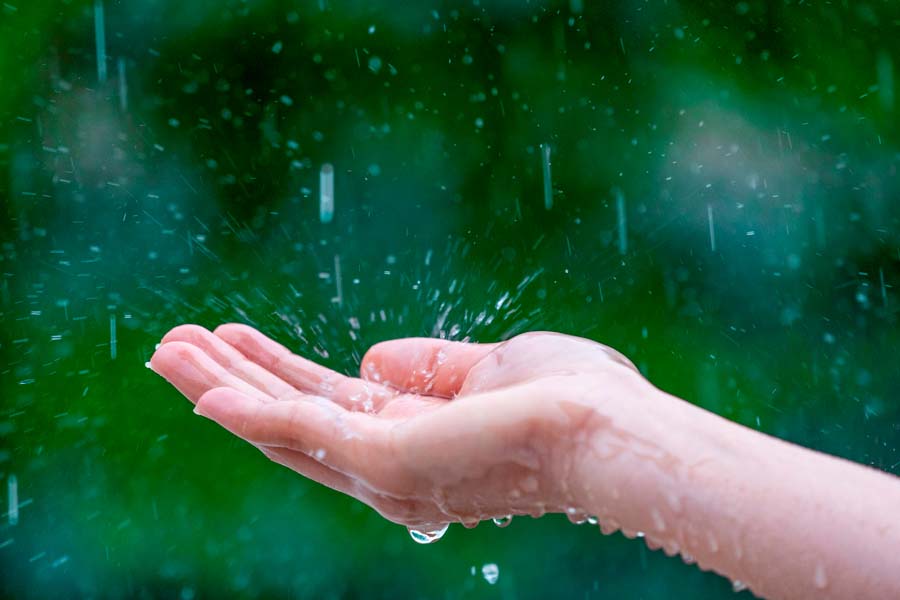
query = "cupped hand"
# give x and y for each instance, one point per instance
(433, 432)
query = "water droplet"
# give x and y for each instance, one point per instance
(592, 520)
(529, 484)
(738, 586)
(502, 521)
(575, 516)
(820, 579)
(320, 454)
(428, 537)
(658, 521)
(491, 573)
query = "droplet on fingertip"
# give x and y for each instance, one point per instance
(428, 537)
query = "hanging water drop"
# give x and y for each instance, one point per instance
(502, 521)
(428, 537)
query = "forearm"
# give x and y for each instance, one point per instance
(786, 521)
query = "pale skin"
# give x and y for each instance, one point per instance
(436, 432)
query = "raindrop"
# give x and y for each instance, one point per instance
(428, 537)
(548, 182)
(12, 488)
(592, 520)
(491, 573)
(502, 521)
(622, 219)
(326, 193)
(100, 40)
(738, 586)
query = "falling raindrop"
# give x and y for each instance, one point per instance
(548, 182)
(100, 40)
(491, 573)
(428, 537)
(622, 219)
(12, 488)
(326, 193)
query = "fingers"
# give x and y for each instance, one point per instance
(423, 365)
(312, 469)
(193, 372)
(394, 509)
(303, 374)
(233, 361)
(350, 442)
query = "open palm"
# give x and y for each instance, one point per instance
(432, 432)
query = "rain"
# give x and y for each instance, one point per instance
(711, 190)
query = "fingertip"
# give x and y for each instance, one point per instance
(391, 361)
(166, 358)
(225, 405)
(230, 331)
(185, 332)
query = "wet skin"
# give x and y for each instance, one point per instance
(436, 432)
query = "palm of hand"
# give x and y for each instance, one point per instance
(433, 432)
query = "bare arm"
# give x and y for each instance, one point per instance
(436, 432)
(780, 519)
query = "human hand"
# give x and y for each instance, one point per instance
(433, 432)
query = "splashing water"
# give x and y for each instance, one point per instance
(428, 537)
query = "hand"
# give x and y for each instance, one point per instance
(433, 432)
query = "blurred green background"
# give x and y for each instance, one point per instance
(750, 266)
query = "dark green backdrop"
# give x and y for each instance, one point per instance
(754, 145)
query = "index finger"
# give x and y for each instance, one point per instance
(353, 443)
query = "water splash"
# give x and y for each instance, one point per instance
(428, 537)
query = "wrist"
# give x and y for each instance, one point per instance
(646, 455)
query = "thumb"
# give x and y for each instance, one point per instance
(423, 365)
